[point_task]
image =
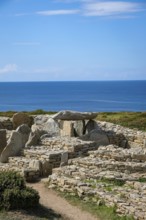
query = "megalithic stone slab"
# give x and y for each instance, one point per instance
(13, 148)
(74, 115)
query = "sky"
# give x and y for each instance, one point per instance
(72, 40)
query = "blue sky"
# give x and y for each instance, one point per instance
(55, 40)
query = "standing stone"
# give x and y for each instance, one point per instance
(91, 125)
(79, 128)
(33, 139)
(64, 158)
(67, 128)
(24, 130)
(21, 118)
(3, 141)
(13, 148)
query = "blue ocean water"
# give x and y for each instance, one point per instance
(96, 96)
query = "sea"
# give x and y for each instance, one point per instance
(97, 96)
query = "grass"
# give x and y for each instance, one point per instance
(100, 211)
(126, 119)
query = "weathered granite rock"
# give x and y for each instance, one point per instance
(41, 119)
(79, 128)
(46, 168)
(6, 123)
(73, 115)
(24, 130)
(98, 136)
(13, 148)
(91, 125)
(67, 128)
(21, 118)
(3, 141)
(35, 164)
(52, 127)
(33, 139)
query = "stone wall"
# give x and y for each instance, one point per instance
(121, 136)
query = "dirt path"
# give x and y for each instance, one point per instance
(50, 199)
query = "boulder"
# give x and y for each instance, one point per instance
(41, 119)
(79, 128)
(3, 141)
(97, 136)
(73, 115)
(24, 130)
(35, 135)
(52, 127)
(6, 123)
(21, 118)
(33, 140)
(91, 125)
(13, 148)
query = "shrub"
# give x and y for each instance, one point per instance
(20, 199)
(10, 180)
(14, 194)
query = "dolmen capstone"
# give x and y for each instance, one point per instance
(74, 115)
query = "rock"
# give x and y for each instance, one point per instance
(13, 148)
(91, 125)
(98, 136)
(38, 129)
(6, 123)
(41, 119)
(35, 164)
(79, 128)
(24, 130)
(33, 139)
(46, 168)
(52, 127)
(73, 115)
(3, 141)
(35, 135)
(67, 128)
(64, 159)
(21, 118)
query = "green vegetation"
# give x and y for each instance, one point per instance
(142, 179)
(99, 210)
(127, 119)
(14, 194)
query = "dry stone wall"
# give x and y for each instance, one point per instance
(105, 164)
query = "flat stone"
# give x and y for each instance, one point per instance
(73, 115)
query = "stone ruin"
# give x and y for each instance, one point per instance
(79, 155)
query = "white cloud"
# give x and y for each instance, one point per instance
(110, 8)
(58, 12)
(8, 68)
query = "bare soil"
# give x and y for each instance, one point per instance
(51, 200)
